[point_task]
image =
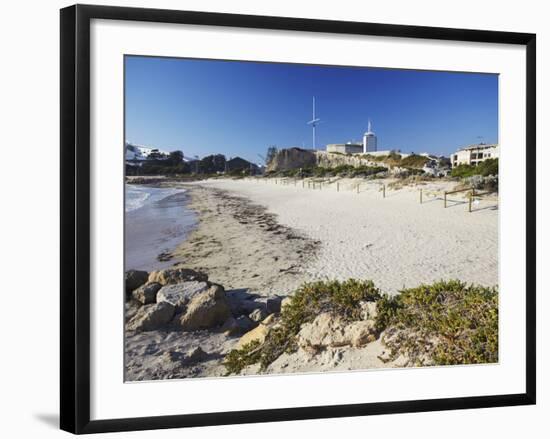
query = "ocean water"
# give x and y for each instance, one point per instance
(138, 195)
(156, 220)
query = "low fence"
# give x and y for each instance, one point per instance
(319, 184)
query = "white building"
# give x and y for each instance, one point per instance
(370, 141)
(474, 154)
(345, 148)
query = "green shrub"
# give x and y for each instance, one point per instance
(374, 158)
(339, 298)
(484, 168)
(237, 360)
(340, 170)
(443, 323)
(414, 161)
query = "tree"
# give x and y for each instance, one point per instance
(271, 153)
(175, 158)
(212, 164)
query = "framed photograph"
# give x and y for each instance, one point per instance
(268, 218)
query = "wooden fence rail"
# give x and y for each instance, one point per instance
(454, 192)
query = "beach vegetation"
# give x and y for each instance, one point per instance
(310, 300)
(394, 158)
(414, 161)
(337, 171)
(237, 359)
(439, 324)
(442, 324)
(484, 168)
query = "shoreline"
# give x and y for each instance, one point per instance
(157, 224)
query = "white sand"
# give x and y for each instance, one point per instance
(269, 238)
(397, 242)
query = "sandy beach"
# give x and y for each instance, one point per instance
(241, 245)
(395, 241)
(262, 239)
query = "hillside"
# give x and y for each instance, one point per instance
(296, 158)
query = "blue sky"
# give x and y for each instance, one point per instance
(204, 107)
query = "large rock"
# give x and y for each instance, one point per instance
(131, 308)
(147, 293)
(259, 333)
(180, 294)
(176, 275)
(206, 310)
(331, 331)
(151, 317)
(134, 279)
(325, 330)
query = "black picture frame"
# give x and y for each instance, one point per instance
(75, 217)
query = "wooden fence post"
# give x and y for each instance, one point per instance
(445, 200)
(420, 196)
(384, 190)
(357, 187)
(337, 186)
(470, 202)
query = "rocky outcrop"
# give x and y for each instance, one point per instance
(151, 317)
(131, 307)
(181, 293)
(295, 158)
(292, 158)
(176, 275)
(331, 331)
(147, 293)
(206, 310)
(331, 160)
(134, 279)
